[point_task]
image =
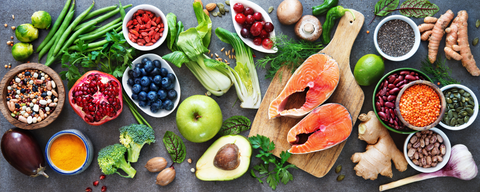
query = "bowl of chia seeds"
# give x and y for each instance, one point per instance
(397, 38)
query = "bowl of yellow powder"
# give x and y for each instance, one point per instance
(69, 152)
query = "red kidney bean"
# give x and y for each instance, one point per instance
(404, 72)
(401, 83)
(380, 100)
(384, 98)
(392, 114)
(417, 78)
(389, 104)
(378, 106)
(401, 87)
(410, 77)
(394, 91)
(398, 79)
(391, 86)
(412, 73)
(382, 115)
(383, 91)
(391, 78)
(391, 97)
(390, 121)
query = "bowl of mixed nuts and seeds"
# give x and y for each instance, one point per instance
(427, 151)
(461, 107)
(32, 96)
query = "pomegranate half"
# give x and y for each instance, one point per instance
(96, 97)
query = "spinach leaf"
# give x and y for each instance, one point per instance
(175, 146)
(234, 125)
(418, 8)
(384, 7)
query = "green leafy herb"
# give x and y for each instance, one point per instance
(234, 125)
(439, 71)
(418, 8)
(290, 53)
(280, 172)
(113, 58)
(175, 147)
(384, 7)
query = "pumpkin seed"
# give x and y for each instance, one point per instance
(469, 111)
(471, 102)
(340, 177)
(459, 121)
(450, 113)
(449, 100)
(475, 41)
(477, 24)
(455, 114)
(214, 14)
(466, 118)
(455, 90)
(226, 10)
(219, 14)
(338, 169)
(466, 94)
(453, 122)
(227, 2)
(270, 9)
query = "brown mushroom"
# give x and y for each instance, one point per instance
(289, 11)
(308, 28)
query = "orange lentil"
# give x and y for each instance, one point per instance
(368, 32)
(420, 105)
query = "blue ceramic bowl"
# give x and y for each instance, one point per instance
(88, 148)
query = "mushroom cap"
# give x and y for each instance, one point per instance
(289, 11)
(308, 28)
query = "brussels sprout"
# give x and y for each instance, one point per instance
(21, 51)
(41, 20)
(26, 33)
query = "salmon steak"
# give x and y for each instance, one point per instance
(325, 127)
(318, 76)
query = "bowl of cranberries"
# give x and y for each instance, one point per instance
(253, 25)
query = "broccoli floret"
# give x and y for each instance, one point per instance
(112, 157)
(133, 137)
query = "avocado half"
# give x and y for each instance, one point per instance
(207, 171)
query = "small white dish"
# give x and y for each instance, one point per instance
(475, 107)
(88, 147)
(415, 45)
(238, 28)
(448, 150)
(157, 13)
(146, 109)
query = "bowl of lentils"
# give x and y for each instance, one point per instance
(385, 95)
(32, 97)
(397, 38)
(461, 107)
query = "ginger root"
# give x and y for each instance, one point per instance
(380, 150)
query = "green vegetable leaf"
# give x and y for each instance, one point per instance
(272, 181)
(383, 7)
(252, 173)
(175, 147)
(191, 44)
(234, 125)
(261, 141)
(204, 27)
(285, 176)
(178, 58)
(172, 30)
(418, 8)
(284, 156)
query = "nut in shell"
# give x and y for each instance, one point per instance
(166, 176)
(156, 164)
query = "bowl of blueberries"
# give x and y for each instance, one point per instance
(152, 85)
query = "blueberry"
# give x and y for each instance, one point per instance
(130, 74)
(171, 87)
(145, 81)
(144, 73)
(163, 72)
(146, 89)
(137, 81)
(152, 96)
(157, 63)
(27, 73)
(44, 94)
(154, 87)
(172, 95)
(157, 79)
(154, 108)
(149, 66)
(171, 76)
(139, 65)
(162, 95)
(168, 105)
(149, 103)
(130, 82)
(142, 103)
(145, 59)
(142, 95)
(137, 72)
(34, 89)
(155, 71)
(134, 96)
(166, 82)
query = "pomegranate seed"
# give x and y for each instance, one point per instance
(104, 188)
(88, 189)
(102, 177)
(95, 183)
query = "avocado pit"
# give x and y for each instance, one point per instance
(227, 157)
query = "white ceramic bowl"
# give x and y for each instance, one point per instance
(415, 45)
(88, 148)
(440, 165)
(157, 13)
(128, 89)
(475, 107)
(266, 17)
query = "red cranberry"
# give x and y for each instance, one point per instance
(240, 18)
(238, 7)
(104, 188)
(248, 11)
(264, 34)
(257, 16)
(95, 183)
(256, 29)
(268, 27)
(245, 33)
(257, 41)
(267, 43)
(249, 20)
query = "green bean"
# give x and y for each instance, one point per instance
(103, 27)
(92, 45)
(47, 47)
(70, 28)
(122, 10)
(75, 35)
(101, 18)
(98, 34)
(56, 25)
(99, 11)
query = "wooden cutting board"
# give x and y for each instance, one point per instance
(348, 93)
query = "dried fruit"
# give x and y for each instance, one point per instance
(96, 97)
(270, 9)
(211, 6)
(156, 164)
(166, 176)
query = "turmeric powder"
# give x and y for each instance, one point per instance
(68, 152)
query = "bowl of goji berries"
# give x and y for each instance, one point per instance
(420, 105)
(145, 27)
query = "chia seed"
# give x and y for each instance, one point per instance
(396, 38)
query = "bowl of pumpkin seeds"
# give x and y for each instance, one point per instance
(462, 107)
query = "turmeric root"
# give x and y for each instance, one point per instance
(425, 27)
(426, 35)
(380, 150)
(451, 40)
(452, 54)
(437, 35)
(430, 20)
(467, 58)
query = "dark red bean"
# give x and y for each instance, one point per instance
(412, 73)
(401, 83)
(396, 124)
(380, 100)
(391, 78)
(401, 87)
(394, 91)
(398, 79)
(410, 77)
(391, 86)
(390, 121)
(389, 104)
(378, 106)
(417, 78)
(404, 72)
(392, 114)
(383, 91)
(381, 85)
(382, 115)
(391, 97)
(384, 98)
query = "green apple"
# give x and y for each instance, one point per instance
(199, 118)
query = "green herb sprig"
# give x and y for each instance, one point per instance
(280, 172)
(439, 71)
(290, 53)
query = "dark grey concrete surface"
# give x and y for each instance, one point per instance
(107, 134)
